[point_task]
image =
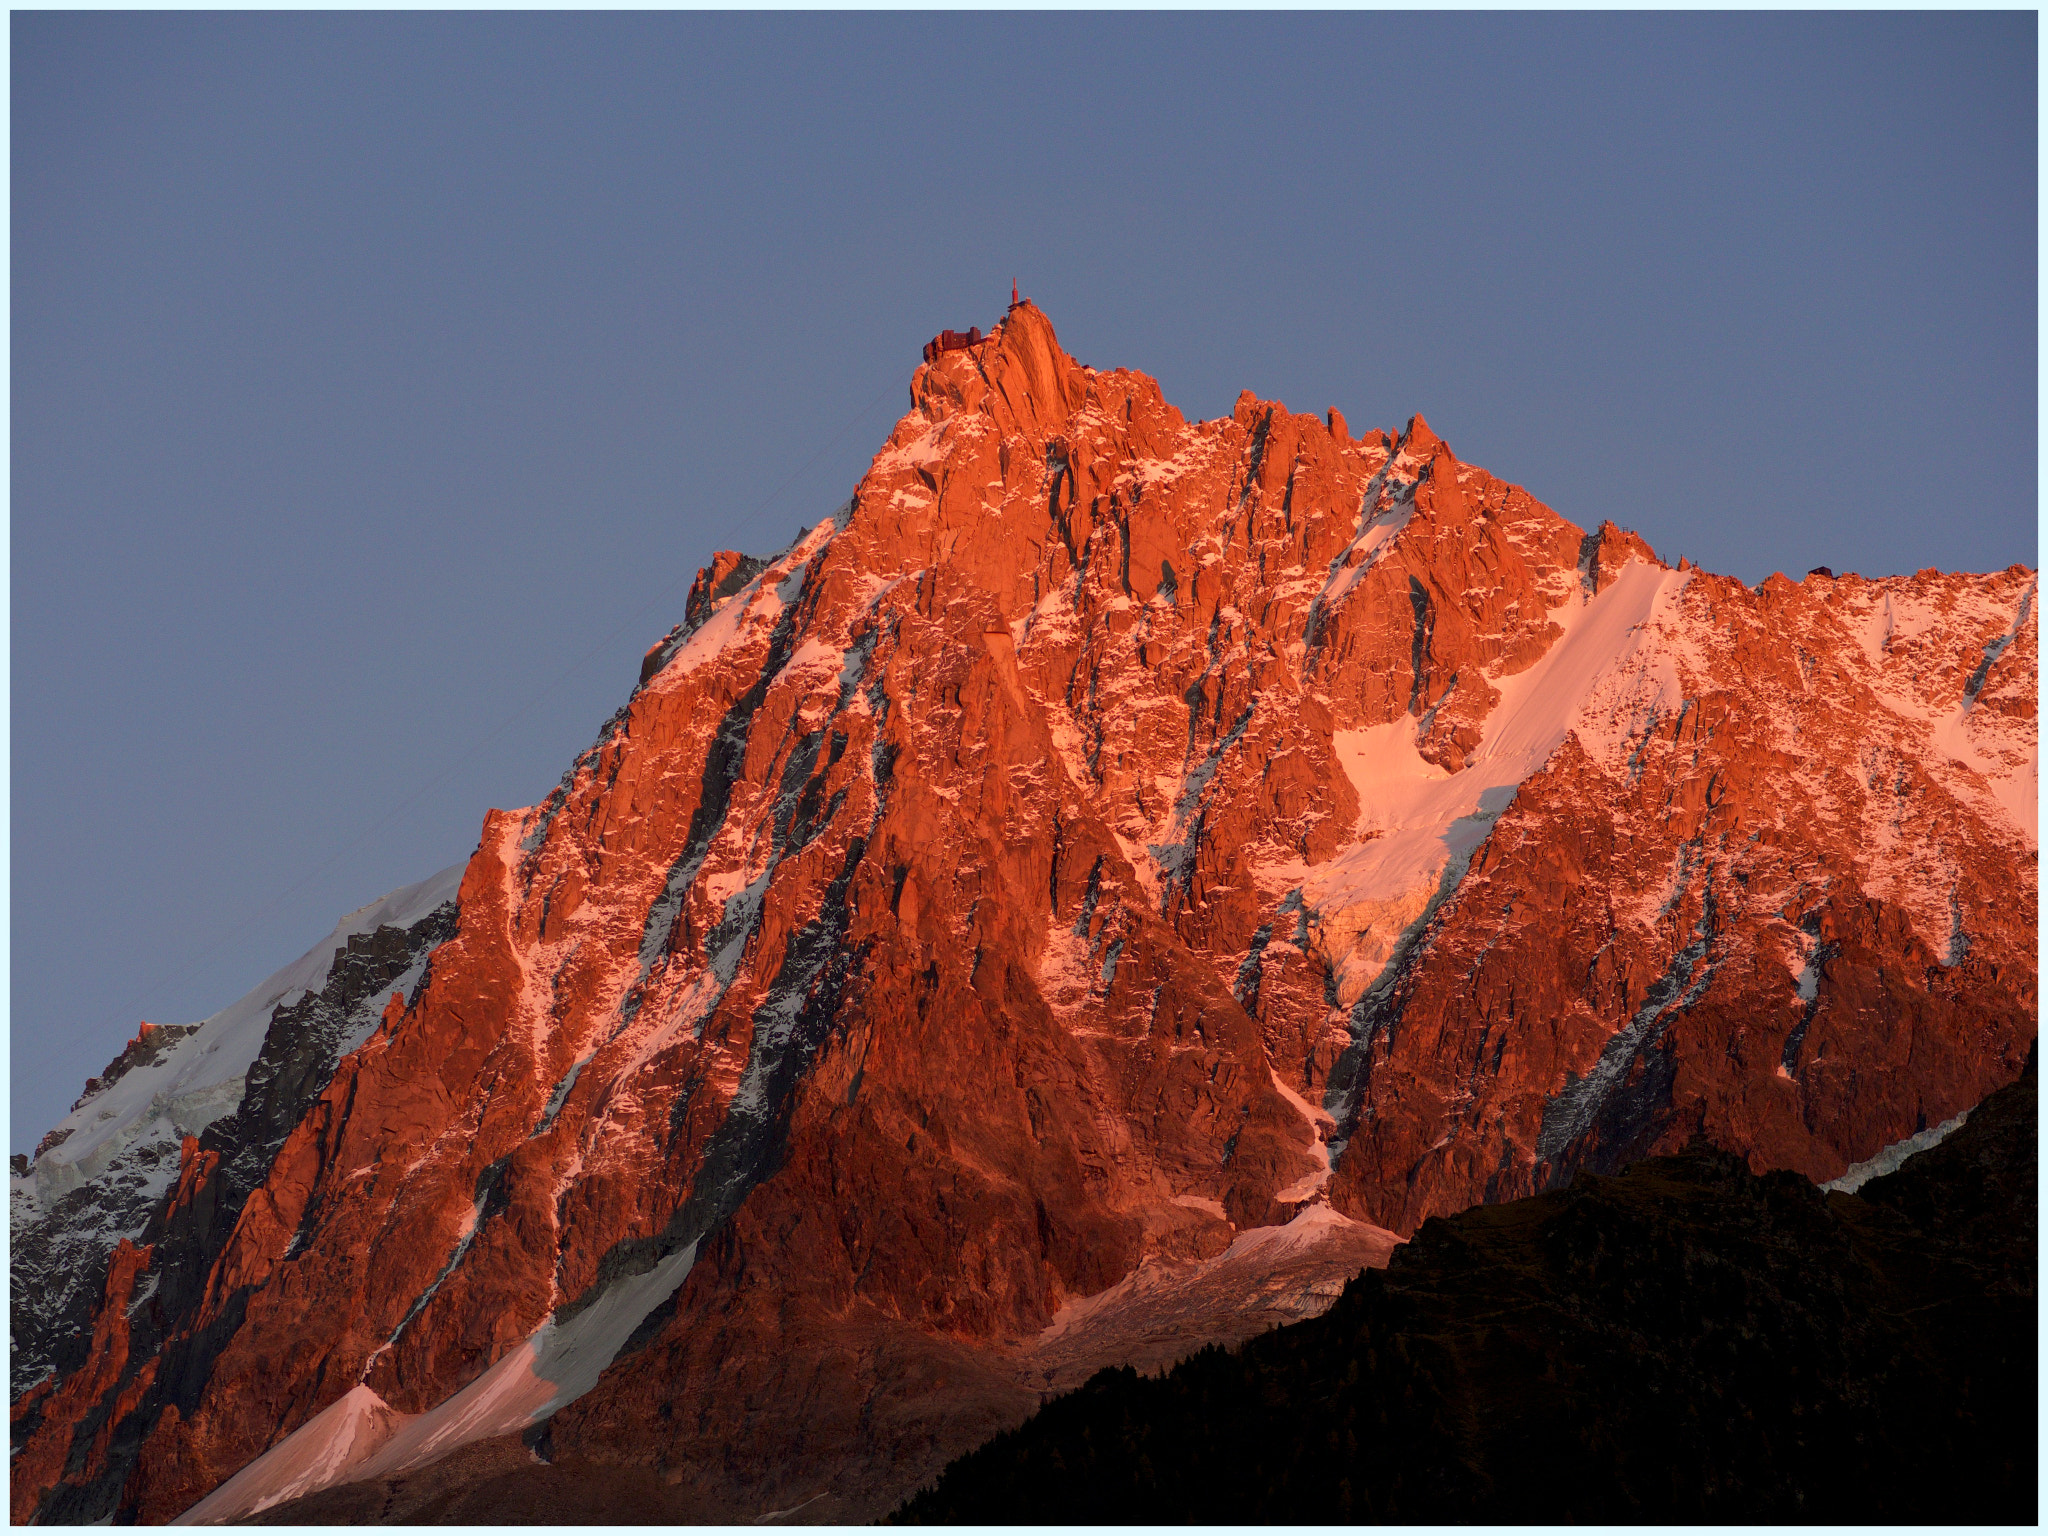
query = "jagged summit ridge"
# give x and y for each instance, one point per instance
(1107, 837)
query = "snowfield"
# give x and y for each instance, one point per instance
(199, 1078)
(360, 1437)
(1604, 678)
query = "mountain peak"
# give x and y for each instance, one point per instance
(1417, 439)
(1116, 844)
(1018, 374)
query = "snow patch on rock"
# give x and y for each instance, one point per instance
(1894, 1156)
(200, 1077)
(317, 1455)
(1321, 1126)
(1604, 678)
(1272, 1266)
(359, 1438)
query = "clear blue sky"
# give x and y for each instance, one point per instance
(370, 371)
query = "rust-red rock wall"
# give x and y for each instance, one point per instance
(1110, 834)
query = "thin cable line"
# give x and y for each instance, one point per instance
(894, 381)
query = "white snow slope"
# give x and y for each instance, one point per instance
(1603, 678)
(119, 1150)
(554, 1365)
(200, 1077)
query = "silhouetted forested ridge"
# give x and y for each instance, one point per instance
(1686, 1341)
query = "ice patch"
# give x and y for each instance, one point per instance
(719, 631)
(754, 608)
(1807, 982)
(1901, 634)
(1067, 977)
(1376, 534)
(1320, 1125)
(2009, 769)
(773, 1515)
(1602, 678)
(550, 1367)
(1889, 1160)
(316, 1455)
(1249, 1259)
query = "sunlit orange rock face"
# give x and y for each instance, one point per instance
(1109, 835)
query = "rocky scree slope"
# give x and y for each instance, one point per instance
(1686, 1342)
(1108, 838)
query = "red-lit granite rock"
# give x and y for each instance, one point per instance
(1107, 837)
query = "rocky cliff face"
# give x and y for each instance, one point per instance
(1108, 838)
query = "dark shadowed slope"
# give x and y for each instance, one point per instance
(1686, 1341)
